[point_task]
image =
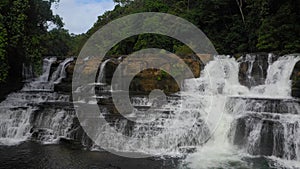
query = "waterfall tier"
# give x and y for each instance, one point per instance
(22, 113)
(217, 119)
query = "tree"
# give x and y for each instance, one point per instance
(24, 23)
(280, 31)
(238, 26)
(3, 58)
(57, 42)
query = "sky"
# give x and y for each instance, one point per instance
(80, 15)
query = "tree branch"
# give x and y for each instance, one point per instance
(240, 5)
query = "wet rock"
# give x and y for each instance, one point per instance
(296, 81)
(66, 84)
(253, 68)
(269, 139)
(146, 80)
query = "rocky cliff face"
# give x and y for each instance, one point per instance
(296, 81)
(145, 81)
(253, 70)
(65, 86)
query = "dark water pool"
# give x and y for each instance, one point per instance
(34, 155)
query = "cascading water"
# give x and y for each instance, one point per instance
(41, 83)
(184, 122)
(221, 121)
(253, 68)
(278, 83)
(221, 75)
(267, 123)
(250, 59)
(46, 69)
(27, 72)
(23, 114)
(101, 76)
(60, 72)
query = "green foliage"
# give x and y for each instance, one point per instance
(57, 42)
(162, 75)
(246, 26)
(280, 32)
(3, 59)
(182, 50)
(233, 27)
(23, 28)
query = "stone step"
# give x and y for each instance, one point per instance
(271, 105)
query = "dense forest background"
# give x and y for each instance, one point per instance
(234, 26)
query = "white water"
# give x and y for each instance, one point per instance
(204, 118)
(220, 151)
(250, 59)
(60, 72)
(53, 125)
(277, 83)
(221, 74)
(14, 125)
(190, 121)
(101, 76)
(46, 69)
(206, 111)
(41, 83)
(17, 111)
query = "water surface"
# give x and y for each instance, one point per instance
(34, 155)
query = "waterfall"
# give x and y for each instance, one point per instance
(253, 68)
(183, 123)
(46, 69)
(222, 73)
(50, 127)
(36, 111)
(27, 72)
(14, 124)
(219, 76)
(278, 83)
(250, 59)
(256, 126)
(101, 76)
(60, 72)
(215, 116)
(214, 122)
(41, 83)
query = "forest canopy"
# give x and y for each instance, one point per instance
(23, 32)
(234, 26)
